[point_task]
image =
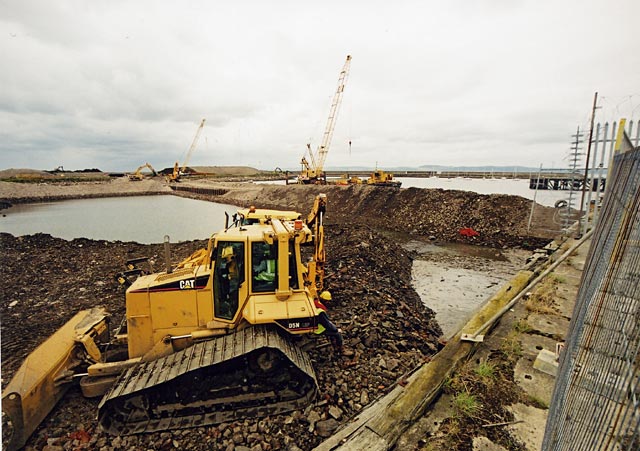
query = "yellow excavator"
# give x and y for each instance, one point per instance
(211, 340)
(138, 175)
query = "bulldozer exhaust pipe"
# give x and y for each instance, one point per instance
(167, 254)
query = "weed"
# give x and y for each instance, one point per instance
(511, 346)
(522, 326)
(466, 404)
(486, 371)
(543, 298)
(538, 402)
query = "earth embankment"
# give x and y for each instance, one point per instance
(495, 220)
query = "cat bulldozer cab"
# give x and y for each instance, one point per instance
(210, 340)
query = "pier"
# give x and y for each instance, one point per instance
(566, 182)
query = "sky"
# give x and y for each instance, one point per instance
(116, 84)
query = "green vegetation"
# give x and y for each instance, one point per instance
(466, 404)
(537, 402)
(511, 346)
(23, 179)
(558, 278)
(522, 326)
(486, 371)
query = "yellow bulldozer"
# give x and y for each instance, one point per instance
(381, 178)
(211, 340)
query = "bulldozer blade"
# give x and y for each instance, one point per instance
(44, 377)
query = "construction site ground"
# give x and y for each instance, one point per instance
(388, 333)
(497, 400)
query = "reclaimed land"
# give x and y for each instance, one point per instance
(387, 328)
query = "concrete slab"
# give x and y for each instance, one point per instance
(531, 430)
(532, 344)
(428, 424)
(536, 383)
(546, 362)
(484, 444)
(549, 325)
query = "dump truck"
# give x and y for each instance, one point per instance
(213, 339)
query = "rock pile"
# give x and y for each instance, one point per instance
(499, 220)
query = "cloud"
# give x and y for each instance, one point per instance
(116, 84)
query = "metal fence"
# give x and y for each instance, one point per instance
(596, 400)
(601, 158)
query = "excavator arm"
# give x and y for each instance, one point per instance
(315, 222)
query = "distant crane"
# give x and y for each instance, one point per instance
(179, 171)
(314, 172)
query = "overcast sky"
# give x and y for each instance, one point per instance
(115, 84)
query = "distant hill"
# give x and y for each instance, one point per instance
(439, 168)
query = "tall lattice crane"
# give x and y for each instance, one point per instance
(314, 172)
(179, 171)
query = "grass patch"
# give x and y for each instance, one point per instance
(558, 278)
(511, 346)
(537, 402)
(522, 326)
(542, 301)
(486, 371)
(60, 180)
(466, 404)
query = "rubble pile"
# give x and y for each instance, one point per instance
(496, 220)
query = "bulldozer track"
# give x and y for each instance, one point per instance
(252, 373)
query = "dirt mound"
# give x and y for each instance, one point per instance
(490, 220)
(23, 173)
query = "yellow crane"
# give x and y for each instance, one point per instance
(179, 171)
(313, 172)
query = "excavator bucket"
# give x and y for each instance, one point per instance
(45, 375)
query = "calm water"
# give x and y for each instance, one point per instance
(144, 219)
(517, 187)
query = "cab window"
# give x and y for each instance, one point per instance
(264, 260)
(229, 275)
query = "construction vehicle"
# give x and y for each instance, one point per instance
(349, 180)
(313, 172)
(213, 339)
(381, 178)
(179, 171)
(138, 175)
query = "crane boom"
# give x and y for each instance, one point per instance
(193, 146)
(314, 174)
(333, 115)
(177, 170)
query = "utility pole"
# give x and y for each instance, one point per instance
(574, 162)
(584, 212)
